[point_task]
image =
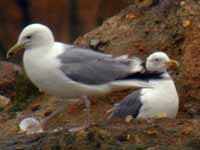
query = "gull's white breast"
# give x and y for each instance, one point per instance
(161, 99)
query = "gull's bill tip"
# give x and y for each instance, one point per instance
(172, 64)
(14, 50)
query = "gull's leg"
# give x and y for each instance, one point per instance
(60, 109)
(88, 118)
(87, 105)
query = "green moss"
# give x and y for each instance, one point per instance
(2, 51)
(56, 147)
(25, 92)
(70, 139)
(1, 109)
(135, 147)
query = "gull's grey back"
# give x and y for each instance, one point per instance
(90, 67)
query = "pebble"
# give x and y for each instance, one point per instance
(4, 101)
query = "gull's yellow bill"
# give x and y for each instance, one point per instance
(14, 50)
(172, 64)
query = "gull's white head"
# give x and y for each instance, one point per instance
(36, 35)
(160, 62)
(33, 36)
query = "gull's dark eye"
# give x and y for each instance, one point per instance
(157, 59)
(28, 37)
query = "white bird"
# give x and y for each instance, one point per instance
(162, 99)
(67, 71)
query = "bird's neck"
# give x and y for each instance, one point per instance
(165, 75)
(36, 54)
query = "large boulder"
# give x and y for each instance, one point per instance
(170, 26)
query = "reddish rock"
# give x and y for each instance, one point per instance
(67, 18)
(191, 55)
(8, 73)
(10, 19)
(55, 14)
(152, 29)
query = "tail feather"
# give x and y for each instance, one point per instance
(136, 65)
(129, 84)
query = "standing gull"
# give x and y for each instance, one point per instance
(162, 98)
(67, 71)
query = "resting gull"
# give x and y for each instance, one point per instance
(162, 99)
(68, 71)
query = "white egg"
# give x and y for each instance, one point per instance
(30, 125)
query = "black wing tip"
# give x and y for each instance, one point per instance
(144, 76)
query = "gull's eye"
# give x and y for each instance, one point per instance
(28, 37)
(157, 59)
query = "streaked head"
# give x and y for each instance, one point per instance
(160, 62)
(32, 36)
